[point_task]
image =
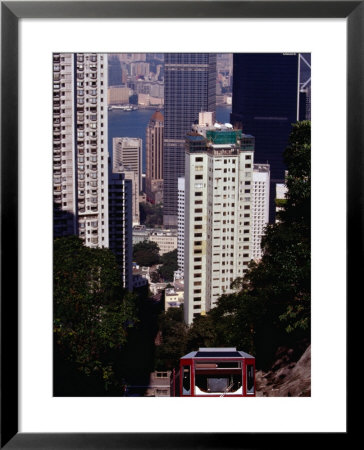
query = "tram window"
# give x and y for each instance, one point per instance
(186, 383)
(250, 379)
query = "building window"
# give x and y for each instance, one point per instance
(161, 374)
(186, 380)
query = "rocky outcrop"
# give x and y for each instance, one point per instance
(287, 378)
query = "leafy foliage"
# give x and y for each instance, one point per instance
(146, 253)
(92, 314)
(174, 334)
(169, 265)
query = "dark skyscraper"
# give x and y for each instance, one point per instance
(266, 101)
(189, 88)
(114, 71)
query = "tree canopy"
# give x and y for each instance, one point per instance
(92, 313)
(146, 253)
(169, 265)
(174, 333)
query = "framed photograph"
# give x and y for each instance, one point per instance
(31, 32)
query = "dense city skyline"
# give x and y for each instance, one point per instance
(184, 202)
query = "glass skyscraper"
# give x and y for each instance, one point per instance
(266, 101)
(189, 88)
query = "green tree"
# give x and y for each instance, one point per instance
(146, 253)
(170, 265)
(174, 334)
(92, 313)
(154, 277)
(202, 333)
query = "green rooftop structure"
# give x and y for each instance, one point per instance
(219, 137)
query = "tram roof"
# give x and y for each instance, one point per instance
(217, 352)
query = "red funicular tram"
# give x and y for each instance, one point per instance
(217, 372)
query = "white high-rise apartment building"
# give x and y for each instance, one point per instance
(80, 155)
(260, 214)
(181, 225)
(218, 212)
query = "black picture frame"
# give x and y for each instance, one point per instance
(11, 12)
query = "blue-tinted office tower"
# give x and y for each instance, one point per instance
(189, 88)
(266, 101)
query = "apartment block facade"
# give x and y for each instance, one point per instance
(127, 152)
(181, 226)
(218, 213)
(260, 212)
(80, 155)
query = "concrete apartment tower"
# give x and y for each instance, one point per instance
(127, 158)
(154, 156)
(181, 226)
(218, 212)
(128, 152)
(260, 214)
(80, 155)
(189, 88)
